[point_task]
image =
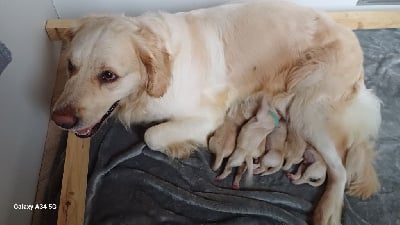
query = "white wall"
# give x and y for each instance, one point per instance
(25, 90)
(77, 8)
(343, 5)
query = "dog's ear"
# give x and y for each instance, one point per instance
(156, 60)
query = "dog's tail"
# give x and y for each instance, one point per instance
(362, 118)
(362, 181)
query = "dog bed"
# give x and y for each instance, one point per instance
(130, 184)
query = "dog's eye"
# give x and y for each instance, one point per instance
(108, 76)
(71, 68)
(314, 180)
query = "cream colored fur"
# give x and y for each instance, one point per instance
(188, 68)
(223, 141)
(273, 159)
(311, 171)
(251, 140)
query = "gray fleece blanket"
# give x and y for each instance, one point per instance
(130, 184)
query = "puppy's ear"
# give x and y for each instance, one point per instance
(156, 60)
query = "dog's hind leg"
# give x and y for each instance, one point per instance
(329, 208)
(312, 124)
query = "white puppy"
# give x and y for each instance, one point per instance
(251, 140)
(223, 142)
(272, 161)
(311, 171)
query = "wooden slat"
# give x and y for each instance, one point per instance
(53, 143)
(368, 19)
(56, 27)
(73, 192)
(353, 19)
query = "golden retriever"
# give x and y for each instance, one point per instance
(186, 69)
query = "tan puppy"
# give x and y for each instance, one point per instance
(273, 158)
(311, 171)
(294, 147)
(223, 142)
(251, 139)
(245, 109)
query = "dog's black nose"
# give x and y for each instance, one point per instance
(65, 117)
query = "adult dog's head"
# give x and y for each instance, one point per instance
(108, 60)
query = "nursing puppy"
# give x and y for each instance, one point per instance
(294, 149)
(223, 142)
(273, 159)
(251, 139)
(274, 156)
(187, 69)
(312, 169)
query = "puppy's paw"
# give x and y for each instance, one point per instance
(181, 150)
(292, 176)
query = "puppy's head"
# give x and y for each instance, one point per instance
(107, 60)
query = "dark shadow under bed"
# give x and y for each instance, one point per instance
(128, 185)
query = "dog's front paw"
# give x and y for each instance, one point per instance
(153, 140)
(180, 150)
(156, 141)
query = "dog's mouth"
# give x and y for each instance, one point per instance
(89, 131)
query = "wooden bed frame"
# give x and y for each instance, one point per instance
(73, 193)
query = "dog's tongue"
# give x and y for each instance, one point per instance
(85, 131)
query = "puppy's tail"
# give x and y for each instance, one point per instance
(362, 118)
